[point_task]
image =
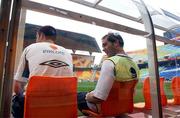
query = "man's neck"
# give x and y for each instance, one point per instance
(48, 41)
(121, 52)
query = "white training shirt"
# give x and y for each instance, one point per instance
(105, 82)
(45, 59)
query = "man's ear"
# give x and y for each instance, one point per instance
(42, 36)
(116, 43)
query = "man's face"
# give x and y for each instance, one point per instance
(108, 47)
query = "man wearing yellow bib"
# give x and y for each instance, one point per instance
(117, 67)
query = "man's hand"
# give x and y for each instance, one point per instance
(91, 98)
(18, 87)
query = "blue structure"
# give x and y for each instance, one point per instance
(170, 70)
(172, 33)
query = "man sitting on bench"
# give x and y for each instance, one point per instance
(117, 67)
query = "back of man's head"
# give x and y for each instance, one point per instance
(48, 31)
(112, 37)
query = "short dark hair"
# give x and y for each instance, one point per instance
(48, 30)
(112, 37)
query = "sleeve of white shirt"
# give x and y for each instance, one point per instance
(21, 67)
(105, 81)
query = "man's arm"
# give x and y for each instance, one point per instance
(91, 98)
(22, 74)
(104, 83)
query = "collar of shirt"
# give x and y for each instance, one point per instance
(123, 55)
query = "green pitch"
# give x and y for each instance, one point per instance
(89, 86)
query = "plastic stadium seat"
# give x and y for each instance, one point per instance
(147, 95)
(119, 101)
(51, 97)
(176, 90)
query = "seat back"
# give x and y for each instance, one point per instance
(176, 89)
(51, 97)
(120, 99)
(147, 95)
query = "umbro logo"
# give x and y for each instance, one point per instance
(54, 63)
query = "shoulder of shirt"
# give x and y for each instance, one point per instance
(60, 46)
(107, 61)
(33, 44)
(123, 55)
(29, 46)
(118, 55)
(42, 43)
(108, 64)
